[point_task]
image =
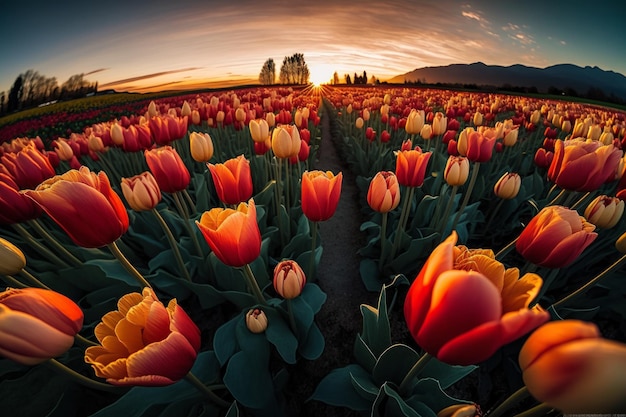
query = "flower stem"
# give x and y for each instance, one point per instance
(441, 224)
(193, 380)
(468, 194)
(253, 284)
(38, 246)
(311, 271)
(383, 240)
(82, 379)
(591, 283)
(404, 216)
(506, 249)
(292, 319)
(493, 214)
(115, 250)
(12, 281)
(84, 341)
(32, 279)
(35, 224)
(512, 400)
(182, 209)
(414, 371)
(173, 244)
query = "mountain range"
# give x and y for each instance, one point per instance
(564, 77)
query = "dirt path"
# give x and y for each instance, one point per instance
(338, 275)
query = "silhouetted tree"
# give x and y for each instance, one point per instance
(335, 78)
(2, 98)
(15, 95)
(294, 70)
(348, 79)
(268, 72)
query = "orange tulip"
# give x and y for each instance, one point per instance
(555, 237)
(569, 366)
(286, 141)
(604, 211)
(289, 279)
(12, 259)
(464, 305)
(168, 169)
(233, 235)
(84, 205)
(580, 165)
(320, 194)
(144, 343)
(411, 167)
(233, 180)
(37, 324)
(383, 194)
(141, 191)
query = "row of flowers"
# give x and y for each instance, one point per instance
(548, 180)
(236, 171)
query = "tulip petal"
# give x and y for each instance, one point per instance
(172, 358)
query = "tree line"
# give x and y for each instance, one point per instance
(31, 89)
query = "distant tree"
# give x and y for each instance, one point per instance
(364, 78)
(2, 98)
(348, 79)
(294, 70)
(268, 72)
(335, 78)
(15, 95)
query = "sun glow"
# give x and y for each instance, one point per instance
(321, 74)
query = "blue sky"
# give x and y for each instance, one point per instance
(142, 45)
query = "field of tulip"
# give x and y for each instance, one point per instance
(161, 255)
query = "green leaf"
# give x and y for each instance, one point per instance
(233, 410)
(363, 354)
(389, 403)
(225, 341)
(394, 363)
(370, 275)
(248, 378)
(429, 392)
(444, 373)
(314, 297)
(376, 331)
(336, 389)
(313, 346)
(364, 386)
(280, 335)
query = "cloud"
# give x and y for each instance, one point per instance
(147, 76)
(96, 71)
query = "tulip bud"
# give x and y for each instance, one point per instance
(289, 279)
(366, 115)
(256, 320)
(64, 150)
(12, 259)
(201, 146)
(117, 134)
(604, 211)
(426, 132)
(456, 170)
(383, 194)
(510, 137)
(508, 186)
(478, 119)
(152, 110)
(141, 191)
(359, 123)
(259, 130)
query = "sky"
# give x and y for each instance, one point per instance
(140, 46)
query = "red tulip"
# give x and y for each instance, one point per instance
(37, 324)
(320, 194)
(28, 167)
(84, 205)
(476, 146)
(233, 180)
(464, 305)
(15, 207)
(168, 169)
(555, 237)
(144, 343)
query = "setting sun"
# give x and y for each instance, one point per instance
(321, 74)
